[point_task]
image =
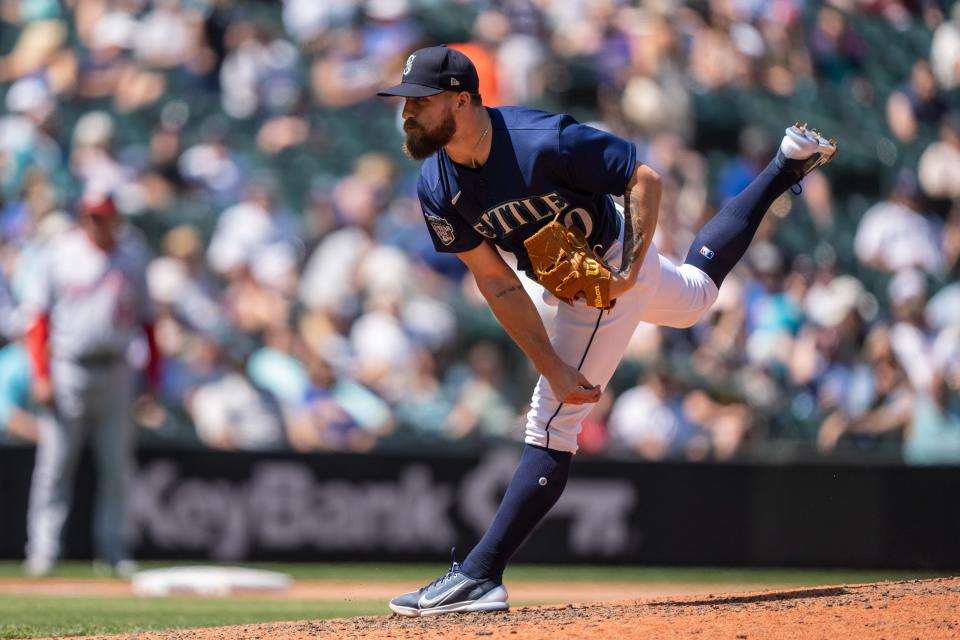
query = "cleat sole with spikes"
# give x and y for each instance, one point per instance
(804, 149)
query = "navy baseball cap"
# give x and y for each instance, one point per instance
(434, 69)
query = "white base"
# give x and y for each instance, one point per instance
(207, 581)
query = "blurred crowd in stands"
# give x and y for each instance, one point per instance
(300, 304)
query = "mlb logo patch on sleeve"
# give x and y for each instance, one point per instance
(442, 228)
(706, 252)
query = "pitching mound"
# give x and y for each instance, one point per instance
(911, 609)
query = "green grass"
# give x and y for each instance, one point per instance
(549, 573)
(33, 616)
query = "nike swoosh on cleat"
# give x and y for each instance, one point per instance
(425, 602)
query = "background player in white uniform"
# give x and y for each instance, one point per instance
(491, 179)
(89, 305)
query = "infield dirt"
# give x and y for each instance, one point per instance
(915, 609)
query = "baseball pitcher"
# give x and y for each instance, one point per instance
(539, 185)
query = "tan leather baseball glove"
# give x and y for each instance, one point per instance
(568, 267)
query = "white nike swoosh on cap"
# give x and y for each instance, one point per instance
(430, 602)
(456, 197)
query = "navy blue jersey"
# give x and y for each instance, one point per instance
(541, 166)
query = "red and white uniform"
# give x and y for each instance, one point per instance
(90, 304)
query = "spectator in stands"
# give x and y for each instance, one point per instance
(109, 70)
(165, 35)
(275, 367)
(786, 65)
(308, 22)
(911, 338)
(934, 434)
(719, 348)
(251, 225)
(945, 51)
(335, 413)
(425, 405)
(18, 416)
(93, 157)
(356, 201)
(649, 420)
(18, 421)
(212, 167)
(27, 143)
(725, 425)
(838, 51)
(229, 411)
(713, 61)
(939, 166)
(894, 234)
(773, 304)
(951, 243)
(825, 358)
(878, 400)
(918, 103)
(259, 72)
(480, 407)
(354, 58)
(749, 162)
(179, 278)
(38, 47)
(158, 177)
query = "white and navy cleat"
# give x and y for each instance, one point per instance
(804, 149)
(453, 593)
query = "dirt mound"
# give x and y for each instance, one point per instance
(911, 609)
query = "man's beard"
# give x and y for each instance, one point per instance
(421, 143)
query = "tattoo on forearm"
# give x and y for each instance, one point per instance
(632, 231)
(510, 289)
(626, 259)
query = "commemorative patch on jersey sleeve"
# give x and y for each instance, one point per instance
(442, 228)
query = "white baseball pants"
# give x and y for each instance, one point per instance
(595, 340)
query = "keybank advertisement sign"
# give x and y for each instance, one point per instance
(199, 505)
(357, 506)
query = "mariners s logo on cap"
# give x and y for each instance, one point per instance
(437, 69)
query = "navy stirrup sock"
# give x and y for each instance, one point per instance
(724, 239)
(535, 488)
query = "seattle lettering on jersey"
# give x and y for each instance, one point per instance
(542, 166)
(503, 219)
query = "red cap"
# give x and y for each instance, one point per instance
(98, 205)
